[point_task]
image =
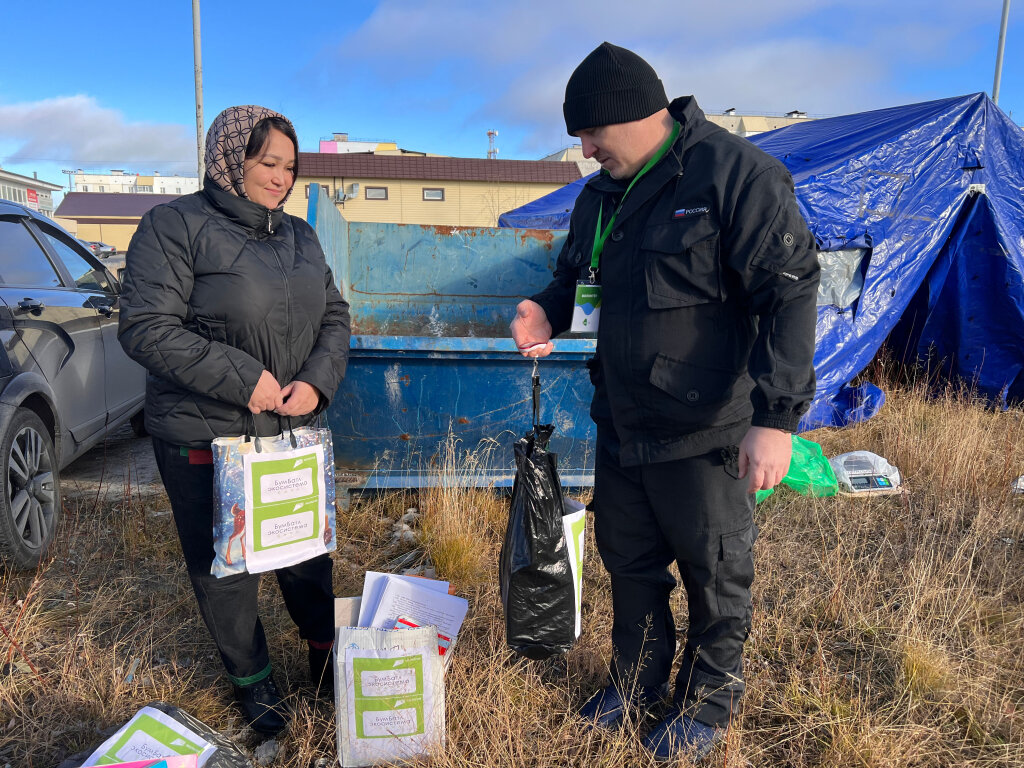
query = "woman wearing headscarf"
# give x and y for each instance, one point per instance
(229, 304)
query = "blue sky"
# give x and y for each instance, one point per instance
(109, 84)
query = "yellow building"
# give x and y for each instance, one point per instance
(403, 189)
(109, 217)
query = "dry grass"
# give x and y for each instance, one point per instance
(887, 632)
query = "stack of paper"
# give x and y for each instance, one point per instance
(391, 601)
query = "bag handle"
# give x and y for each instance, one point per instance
(252, 434)
(291, 430)
(536, 394)
(255, 435)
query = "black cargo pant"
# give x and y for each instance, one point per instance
(696, 512)
(229, 605)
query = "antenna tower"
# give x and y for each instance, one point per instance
(492, 151)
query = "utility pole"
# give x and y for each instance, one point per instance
(198, 54)
(999, 51)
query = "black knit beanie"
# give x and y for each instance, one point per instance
(612, 85)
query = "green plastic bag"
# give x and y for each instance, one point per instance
(810, 473)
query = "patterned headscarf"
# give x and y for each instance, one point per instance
(225, 145)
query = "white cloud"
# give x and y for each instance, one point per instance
(77, 131)
(821, 56)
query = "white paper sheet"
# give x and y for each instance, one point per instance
(420, 601)
(574, 526)
(373, 588)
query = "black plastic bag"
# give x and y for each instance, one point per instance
(537, 589)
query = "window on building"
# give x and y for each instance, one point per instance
(376, 193)
(102, 188)
(144, 188)
(433, 193)
(177, 190)
(85, 188)
(325, 189)
(25, 263)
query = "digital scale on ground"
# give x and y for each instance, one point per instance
(862, 473)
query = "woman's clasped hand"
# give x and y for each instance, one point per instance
(295, 399)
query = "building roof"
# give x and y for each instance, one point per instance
(370, 166)
(109, 204)
(29, 181)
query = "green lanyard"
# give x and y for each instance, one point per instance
(599, 236)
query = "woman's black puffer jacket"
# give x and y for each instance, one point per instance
(218, 288)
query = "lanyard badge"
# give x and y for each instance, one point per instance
(586, 310)
(587, 303)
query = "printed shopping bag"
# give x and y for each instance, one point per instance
(273, 500)
(388, 694)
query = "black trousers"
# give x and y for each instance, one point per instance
(696, 512)
(229, 605)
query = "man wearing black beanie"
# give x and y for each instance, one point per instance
(691, 244)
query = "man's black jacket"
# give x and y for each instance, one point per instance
(709, 285)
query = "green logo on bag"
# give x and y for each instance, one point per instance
(286, 494)
(388, 697)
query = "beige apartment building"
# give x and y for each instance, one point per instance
(410, 189)
(751, 125)
(133, 183)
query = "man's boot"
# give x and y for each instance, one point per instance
(607, 708)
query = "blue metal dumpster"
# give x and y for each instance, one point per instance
(436, 391)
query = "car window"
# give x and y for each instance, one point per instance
(22, 261)
(85, 275)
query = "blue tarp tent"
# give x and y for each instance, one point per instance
(919, 215)
(549, 212)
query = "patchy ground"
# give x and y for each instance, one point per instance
(887, 631)
(123, 461)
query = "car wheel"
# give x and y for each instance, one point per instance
(30, 485)
(138, 422)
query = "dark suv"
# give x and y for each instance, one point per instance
(65, 382)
